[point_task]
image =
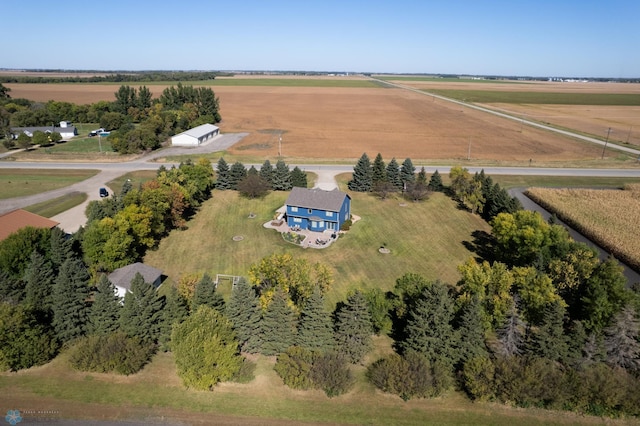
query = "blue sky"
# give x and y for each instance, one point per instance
(518, 37)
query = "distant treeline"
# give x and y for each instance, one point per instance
(138, 76)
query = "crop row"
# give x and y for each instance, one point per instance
(605, 216)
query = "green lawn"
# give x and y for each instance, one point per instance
(425, 238)
(58, 205)
(517, 97)
(22, 182)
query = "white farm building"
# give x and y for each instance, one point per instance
(195, 136)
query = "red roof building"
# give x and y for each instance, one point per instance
(18, 219)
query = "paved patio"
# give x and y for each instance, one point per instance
(317, 240)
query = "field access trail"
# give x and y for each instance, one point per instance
(514, 118)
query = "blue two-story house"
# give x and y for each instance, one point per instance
(317, 210)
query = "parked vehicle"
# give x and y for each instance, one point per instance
(104, 192)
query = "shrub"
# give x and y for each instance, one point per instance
(246, 373)
(294, 367)
(110, 353)
(478, 375)
(331, 373)
(346, 225)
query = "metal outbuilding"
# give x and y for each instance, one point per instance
(195, 136)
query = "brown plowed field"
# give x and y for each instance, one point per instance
(342, 123)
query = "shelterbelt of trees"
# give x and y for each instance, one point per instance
(536, 318)
(57, 76)
(136, 121)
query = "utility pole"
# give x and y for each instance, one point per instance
(469, 150)
(605, 143)
(280, 146)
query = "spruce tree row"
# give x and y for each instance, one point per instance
(255, 182)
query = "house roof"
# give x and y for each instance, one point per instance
(122, 277)
(316, 198)
(201, 130)
(18, 219)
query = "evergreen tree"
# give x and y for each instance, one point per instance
(61, 247)
(408, 172)
(243, 311)
(549, 339)
(175, 310)
(281, 177)
(206, 294)
(315, 331)
(471, 338)
(142, 311)
(429, 329)
(422, 177)
(353, 328)
(393, 174)
(69, 301)
(222, 170)
(237, 172)
(621, 341)
(298, 177)
(378, 170)
(252, 171)
(362, 180)
(11, 289)
(104, 314)
(278, 325)
(39, 278)
(266, 172)
(435, 182)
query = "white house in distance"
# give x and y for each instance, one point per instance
(121, 278)
(66, 130)
(195, 136)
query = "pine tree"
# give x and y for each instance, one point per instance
(298, 177)
(61, 247)
(393, 174)
(206, 294)
(104, 314)
(353, 328)
(243, 311)
(362, 175)
(11, 289)
(621, 340)
(471, 336)
(266, 172)
(39, 278)
(237, 172)
(281, 177)
(435, 182)
(142, 311)
(69, 302)
(378, 170)
(549, 339)
(175, 310)
(278, 325)
(315, 330)
(222, 170)
(422, 177)
(408, 172)
(429, 329)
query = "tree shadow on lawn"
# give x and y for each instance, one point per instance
(483, 245)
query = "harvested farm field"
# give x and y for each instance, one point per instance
(607, 216)
(340, 123)
(590, 107)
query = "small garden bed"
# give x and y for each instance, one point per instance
(293, 237)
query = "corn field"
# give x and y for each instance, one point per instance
(609, 217)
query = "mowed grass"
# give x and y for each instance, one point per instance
(23, 182)
(426, 238)
(547, 98)
(58, 205)
(156, 392)
(608, 217)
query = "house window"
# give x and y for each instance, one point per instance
(297, 220)
(314, 224)
(294, 209)
(309, 211)
(329, 214)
